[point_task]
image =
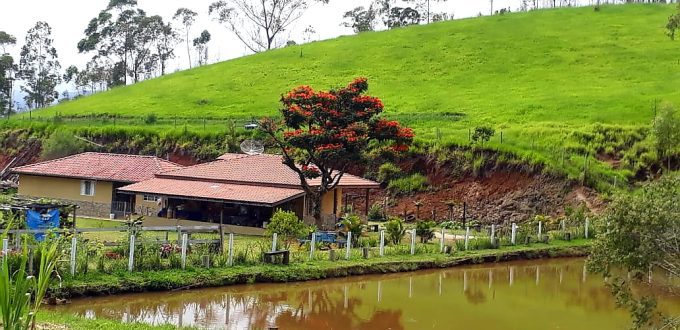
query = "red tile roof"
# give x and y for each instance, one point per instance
(260, 195)
(101, 166)
(254, 169)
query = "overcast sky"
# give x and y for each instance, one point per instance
(70, 18)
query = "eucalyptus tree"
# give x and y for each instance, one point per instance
(164, 37)
(360, 19)
(39, 67)
(110, 35)
(137, 44)
(93, 78)
(394, 15)
(259, 23)
(6, 40)
(425, 6)
(201, 45)
(187, 18)
(7, 72)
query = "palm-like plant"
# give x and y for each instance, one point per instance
(21, 294)
(352, 223)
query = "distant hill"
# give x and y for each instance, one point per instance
(538, 77)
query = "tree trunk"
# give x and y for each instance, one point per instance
(315, 199)
(188, 48)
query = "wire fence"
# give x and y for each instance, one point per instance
(151, 120)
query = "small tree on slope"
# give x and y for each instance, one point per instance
(326, 132)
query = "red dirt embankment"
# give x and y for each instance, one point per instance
(499, 196)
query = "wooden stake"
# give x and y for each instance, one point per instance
(185, 239)
(74, 243)
(230, 258)
(131, 259)
(382, 243)
(348, 246)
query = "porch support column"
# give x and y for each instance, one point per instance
(335, 201)
(367, 202)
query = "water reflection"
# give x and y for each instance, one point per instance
(523, 295)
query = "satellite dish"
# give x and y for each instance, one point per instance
(252, 147)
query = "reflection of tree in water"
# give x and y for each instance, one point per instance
(475, 296)
(327, 311)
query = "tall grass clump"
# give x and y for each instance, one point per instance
(21, 294)
(407, 185)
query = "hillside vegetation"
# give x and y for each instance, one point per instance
(568, 88)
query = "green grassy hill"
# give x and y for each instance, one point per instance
(545, 79)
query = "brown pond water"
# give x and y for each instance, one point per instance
(541, 294)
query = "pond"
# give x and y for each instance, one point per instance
(541, 294)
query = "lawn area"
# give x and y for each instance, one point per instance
(541, 78)
(83, 222)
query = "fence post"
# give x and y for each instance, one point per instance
(274, 239)
(467, 237)
(131, 260)
(179, 234)
(514, 233)
(185, 238)
(312, 245)
(348, 246)
(564, 226)
(493, 231)
(540, 229)
(221, 239)
(587, 223)
(413, 241)
(74, 243)
(230, 258)
(441, 242)
(382, 243)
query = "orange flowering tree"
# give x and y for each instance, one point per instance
(324, 132)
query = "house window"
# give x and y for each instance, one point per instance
(150, 198)
(87, 188)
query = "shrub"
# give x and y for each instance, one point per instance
(375, 213)
(576, 216)
(368, 242)
(61, 143)
(667, 133)
(410, 184)
(150, 119)
(352, 223)
(482, 134)
(395, 230)
(425, 230)
(450, 225)
(287, 226)
(388, 172)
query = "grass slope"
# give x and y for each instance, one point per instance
(536, 76)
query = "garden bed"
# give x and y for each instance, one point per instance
(127, 282)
